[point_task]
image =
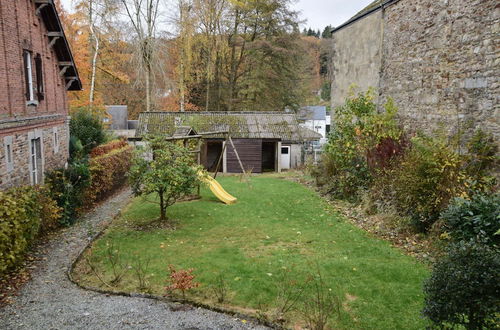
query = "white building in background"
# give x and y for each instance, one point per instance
(315, 118)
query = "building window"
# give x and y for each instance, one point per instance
(28, 78)
(40, 93)
(55, 137)
(36, 160)
(9, 157)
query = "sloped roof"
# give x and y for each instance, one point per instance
(183, 131)
(371, 8)
(314, 112)
(243, 125)
(48, 12)
(308, 134)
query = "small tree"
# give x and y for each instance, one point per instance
(165, 170)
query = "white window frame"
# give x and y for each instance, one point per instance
(36, 134)
(9, 153)
(55, 139)
(29, 69)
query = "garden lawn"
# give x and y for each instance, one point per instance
(276, 227)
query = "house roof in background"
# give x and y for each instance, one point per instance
(48, 12)
(315, 112)
(243, 125)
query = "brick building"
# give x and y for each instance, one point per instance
(36, 70)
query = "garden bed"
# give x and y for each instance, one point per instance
(278, 236)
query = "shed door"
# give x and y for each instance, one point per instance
(285, 157)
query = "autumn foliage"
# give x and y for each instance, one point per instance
(181, 280)
(108, 166)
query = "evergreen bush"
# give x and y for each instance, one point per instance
(475, 219)
(86, 129)
(464, 288)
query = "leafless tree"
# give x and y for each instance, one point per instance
(144, 17)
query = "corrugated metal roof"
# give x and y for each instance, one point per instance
(243, 125)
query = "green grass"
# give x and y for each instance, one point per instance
(276, 225)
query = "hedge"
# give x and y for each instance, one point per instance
(24, 213)
(107, 170)
(107, 148)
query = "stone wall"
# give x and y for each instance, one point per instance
(55, 151)
(441, 63)
(356, 57)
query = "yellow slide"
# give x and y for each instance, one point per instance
(217, 189)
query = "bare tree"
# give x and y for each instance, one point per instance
(98, 14)
(143, 15)
(185, 25)
(93, 38)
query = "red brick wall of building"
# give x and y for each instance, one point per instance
(21, 29)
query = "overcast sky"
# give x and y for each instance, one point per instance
(318, 13)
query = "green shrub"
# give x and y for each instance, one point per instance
(359, 128)
(67, 187)
(475, 219)
(423, 182)
(481, 161)
(24, 212)
(464, 289)
(87, 129)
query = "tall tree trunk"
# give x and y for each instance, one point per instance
(147, 55)
(182, 91)
(95, 50)
(207, 100)
(232, 73)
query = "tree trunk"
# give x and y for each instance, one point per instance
(163, 208)
(95, 50)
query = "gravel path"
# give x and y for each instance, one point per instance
(51, 301)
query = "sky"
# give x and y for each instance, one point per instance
(317, 13)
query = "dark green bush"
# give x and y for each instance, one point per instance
(86, 128)
(464, 288)
(67, 187)
(475, 219)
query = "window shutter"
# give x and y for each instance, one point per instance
(26, 58)
(39, 77)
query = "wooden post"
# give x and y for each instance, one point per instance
(237, 156)
(220, 160)
(199, 151)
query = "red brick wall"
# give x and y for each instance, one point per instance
(21, 29)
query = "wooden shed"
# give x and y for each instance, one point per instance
(264, 141)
